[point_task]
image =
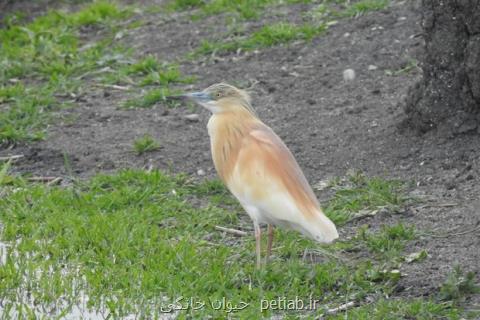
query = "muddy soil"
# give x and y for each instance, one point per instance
(331, 125)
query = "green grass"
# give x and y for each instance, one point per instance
(145, 144)
(253, 9)
(364, 6)
(3, 172)
(244, 9)
(10, 92)
(150, 98)
(267, 36)
(410, 66)
(98, 13)
(418, 309)
(280, 32)
(134, 241)
(390, 241)
(185, 4)
(459, 285)
(45, 62)
(41, 60)
(360, 192)
(329, 9)
(145, 72)
(50, 43)
(26, 114)
(216, 192)
(248, 9)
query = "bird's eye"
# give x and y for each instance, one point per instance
(218, 94)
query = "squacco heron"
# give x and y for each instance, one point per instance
(258, 169)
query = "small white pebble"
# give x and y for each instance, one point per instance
(348, 74)
(372, 67)
(346, 34)
(294, 74)
(322, 185)
(18, 190)
(200, 172)
(402, 18)
(119, 35)
(192, 117)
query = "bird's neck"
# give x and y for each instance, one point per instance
(226, 132)
(232, 123)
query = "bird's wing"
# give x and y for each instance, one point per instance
(266, 173)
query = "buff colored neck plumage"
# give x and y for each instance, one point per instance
(226, 130)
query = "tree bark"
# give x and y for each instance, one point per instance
(448, 96)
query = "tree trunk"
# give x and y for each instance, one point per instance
(448, 96)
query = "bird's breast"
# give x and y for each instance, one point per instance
(225, 144)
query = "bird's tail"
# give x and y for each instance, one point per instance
(321, 228)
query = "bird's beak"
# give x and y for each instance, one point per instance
(198, 97)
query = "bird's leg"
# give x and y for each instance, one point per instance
(258, 239)
(270, 241)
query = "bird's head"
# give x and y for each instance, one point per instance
(221, 97)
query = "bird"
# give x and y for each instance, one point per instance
(259, 169)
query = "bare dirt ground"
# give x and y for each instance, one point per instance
(330, 125)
